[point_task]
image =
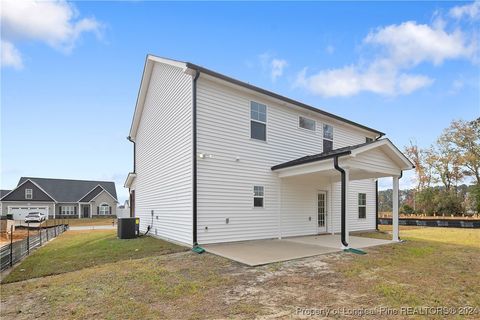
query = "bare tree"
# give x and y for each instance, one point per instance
(465, 137)
(423, 161)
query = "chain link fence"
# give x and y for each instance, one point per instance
(15, 251)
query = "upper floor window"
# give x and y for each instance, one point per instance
(327, 137)
(28, 194)
(258, 121)
(367, 139)
(362, 205)
(258, 195)
(306, 123)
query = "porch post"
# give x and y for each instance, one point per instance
(280, 208)
(395, 229)
(347, 203)
(79, 213)
(54, 211)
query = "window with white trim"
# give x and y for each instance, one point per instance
(28, 194)
(362, 205)
(327, 137)
(307, 123)
(258, 196)
(67, 210)
(104, 209)
(258, 121)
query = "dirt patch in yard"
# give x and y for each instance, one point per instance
(18, 234)
(190, 286)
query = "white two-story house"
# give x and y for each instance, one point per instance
(219, 160)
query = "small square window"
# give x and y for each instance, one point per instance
(258, 196)
(306, 123)
(28, 194)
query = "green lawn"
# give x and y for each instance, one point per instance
(423, 271)
(76, 250)
(434, 267)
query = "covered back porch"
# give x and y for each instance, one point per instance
(340, 176)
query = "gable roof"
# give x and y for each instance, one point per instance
(149, 62)
(4, 192)
(65, 190)
(350, 150)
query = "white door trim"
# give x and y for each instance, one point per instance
(325, 227)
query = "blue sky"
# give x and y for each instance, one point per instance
(70, 76)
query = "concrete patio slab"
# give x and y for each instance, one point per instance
(260, 252)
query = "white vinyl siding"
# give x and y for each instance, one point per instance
(225, 178)
(354, 223)
(164, 156)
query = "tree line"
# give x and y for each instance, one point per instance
(447, 174)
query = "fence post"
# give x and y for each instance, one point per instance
(11, 245)
(28, 238)
(46, 227)
(55, 228)
(40, 234)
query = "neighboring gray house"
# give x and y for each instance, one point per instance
(2, 193)
(60, 198)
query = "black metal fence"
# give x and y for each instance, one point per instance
(15, 251)
(445, 223)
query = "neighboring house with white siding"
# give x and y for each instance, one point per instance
(219, 160)
(60, 198)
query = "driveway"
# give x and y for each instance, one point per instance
(259, 252)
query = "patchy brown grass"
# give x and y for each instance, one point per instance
(190, 286)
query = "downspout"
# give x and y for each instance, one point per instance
(194, 167)
(376, 204)
(132, 205)
(343, 200)
(134, 153)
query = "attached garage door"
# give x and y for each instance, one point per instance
(19, 213)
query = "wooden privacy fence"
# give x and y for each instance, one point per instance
(15, 251)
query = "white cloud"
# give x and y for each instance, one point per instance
(471, 11)
(10, 55)
(351, 80)
(55, 23)
(273, 66)
(277, 68)
(400, 48)
(409, 43)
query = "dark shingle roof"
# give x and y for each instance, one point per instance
(4, 192)
(64, 190)
(320, 156)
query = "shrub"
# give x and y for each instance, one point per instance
(406, 209)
